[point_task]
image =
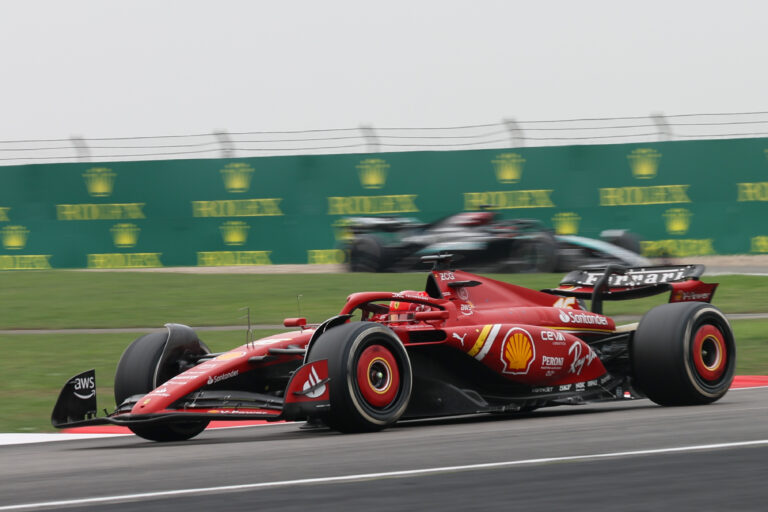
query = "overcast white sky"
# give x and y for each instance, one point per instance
(107, 69)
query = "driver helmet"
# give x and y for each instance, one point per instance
(402, 311)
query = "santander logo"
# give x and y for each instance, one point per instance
(564, 317)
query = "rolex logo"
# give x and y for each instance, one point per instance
(566, 223)
(644, 163)
(99, 181)
(125, 234)
(234, 232)
(509, 167)
(373, 172)
(237, 177)
(14, 237)
(678, 221)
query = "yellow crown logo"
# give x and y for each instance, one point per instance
(566, 223)
(759, 244)
(15, 237)
(125, 234)
(509, 167)
(373, 172)
(678, 220)
(518, 352)
(234, 232)
(237, 177)
(99, 181)
(644, 163)
(341, 230)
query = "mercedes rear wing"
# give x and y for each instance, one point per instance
(614, 282)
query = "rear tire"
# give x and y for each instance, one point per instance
(684, 354)
(137, 373)
(370, 376)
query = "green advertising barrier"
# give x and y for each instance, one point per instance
(682, 198)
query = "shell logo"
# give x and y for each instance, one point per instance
(518, 352)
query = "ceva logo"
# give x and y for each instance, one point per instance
(99, 181)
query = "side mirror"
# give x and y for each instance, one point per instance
(295, 322)
(430, 315)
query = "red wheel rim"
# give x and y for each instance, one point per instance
(378, 377)
(709, 353)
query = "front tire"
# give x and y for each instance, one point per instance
(370, 376)
(138, 373)
(684, 354)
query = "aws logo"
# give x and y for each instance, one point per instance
(644, 163)
(509, 167)
(677, 220)
(125, 234)
(566, 223)
(234, 232)
(99, 181)
(14, 237)
(373, 172)
(237, 177)
(519, 352)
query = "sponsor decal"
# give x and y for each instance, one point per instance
(565, 302)
(484, 341)
(677, 220)
(466, 309)
(677, 248)
(592, 383)
(232, 355)
(566, 223)
(547, 389)
(681, 296)
(114, 211)
(125, 234)
(232, 258)
(579, 361)
(644, 163)
(4, 214)
(14, 237)
(605, 378)
(125, 260)
(85, 387)
(373, 172)
(262, 207)
(547, 335)
(508, 199)
(224, 376)
(519, 351)
(326, 256)
(99, 181)
(747, 192)
(552, 363)
(234, 232)
(571, 316)
(312, 380)
(579, 386)
(509, 167)
(372, 205)
(564, 387)
(446, 276)
(237, 177)
(460, 338)
(632, 196)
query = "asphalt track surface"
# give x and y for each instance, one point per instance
(629, 455)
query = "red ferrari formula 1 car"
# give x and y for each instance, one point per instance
(466, 344)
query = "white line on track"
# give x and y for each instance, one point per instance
(370, 476)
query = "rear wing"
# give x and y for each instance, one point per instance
(619, 283)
